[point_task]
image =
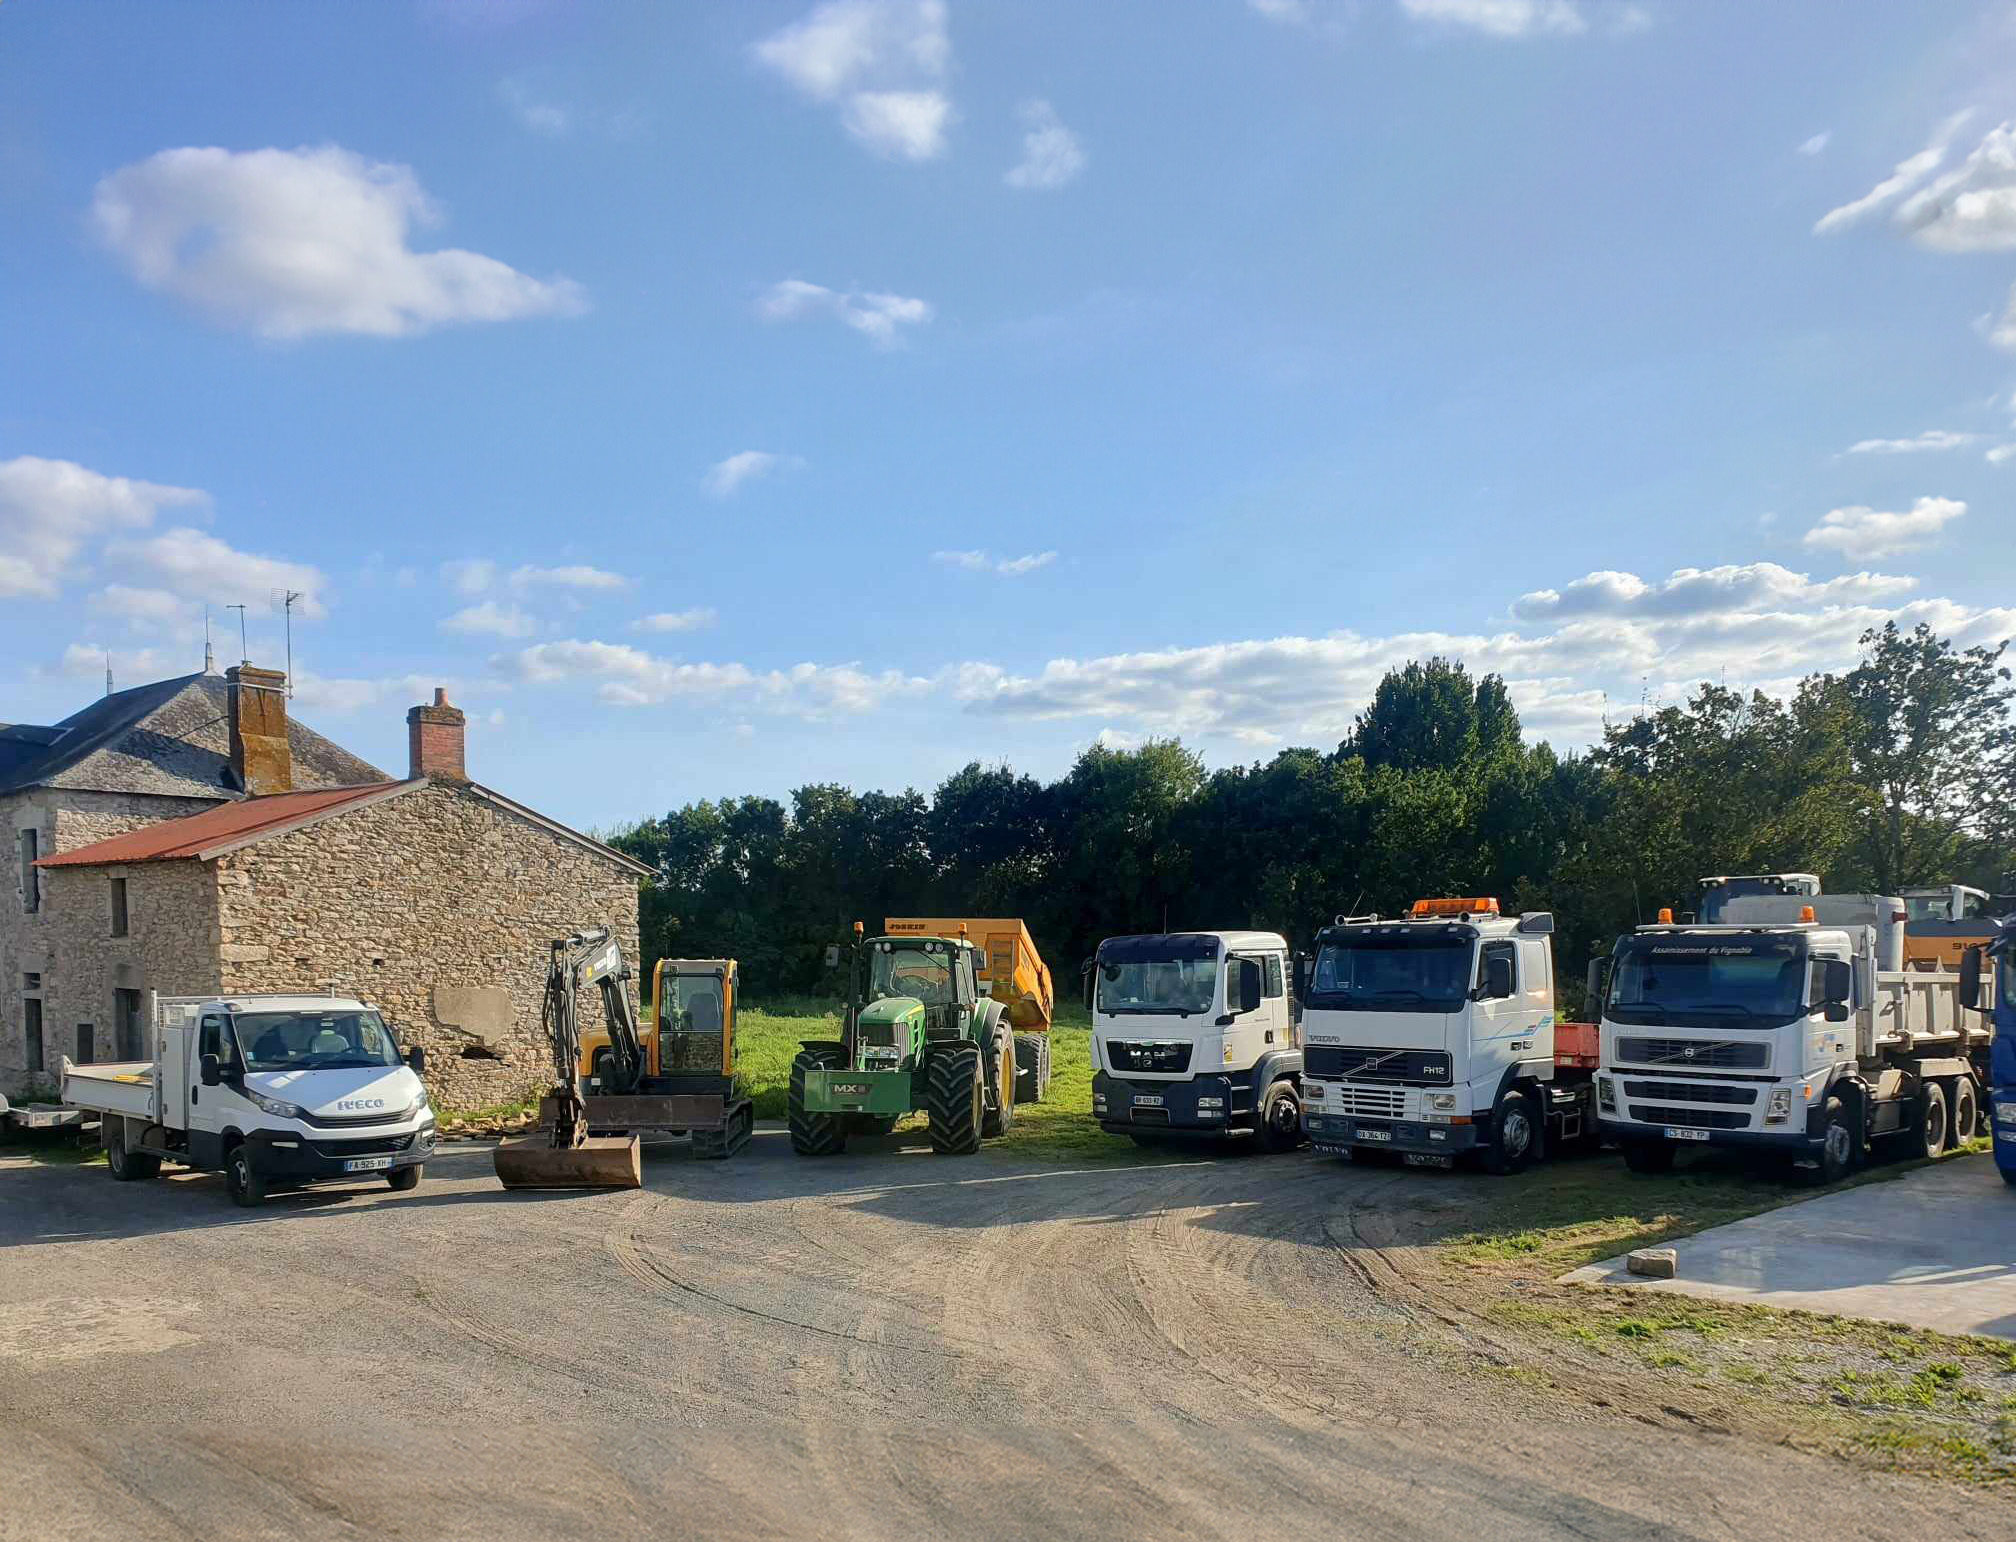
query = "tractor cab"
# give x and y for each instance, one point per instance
(919, 989)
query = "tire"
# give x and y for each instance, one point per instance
(241, 1181)
(1966, 1107)
(1515, 1137)
(953, 1097)
(1280, 1126)
(814, 1134)
(405, 1180)
(1837, 1155)
(126, 1166)
(1032, 1067)
(1648, 1156)
(1927, 1136)
(1002, 1077)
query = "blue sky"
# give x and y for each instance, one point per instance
(719, 398)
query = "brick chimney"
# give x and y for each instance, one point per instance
(262, 761)
(434, 735)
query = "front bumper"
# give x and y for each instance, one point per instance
(1792, 1138)
(1334, 1134)
(1144, 1107)
(295, 1158)
(861, 1092)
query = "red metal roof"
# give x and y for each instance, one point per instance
(229, 824)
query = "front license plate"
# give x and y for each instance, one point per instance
(1143, 1100)
(367, 1164)
(1364, 1134)
(1674, 1132)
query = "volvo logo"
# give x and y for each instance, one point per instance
(1688, 1052)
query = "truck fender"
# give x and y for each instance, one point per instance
(1276, 1065)
(1518, 1078)
(1854, 1093)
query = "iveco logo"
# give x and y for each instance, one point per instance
(347, 1104)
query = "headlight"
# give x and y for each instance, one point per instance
(420, 1110)
(1312, 1089)
(1444, 1101)
(1606, 1092)
(275, 1107)
(1778, 1108)
(2005, 1113)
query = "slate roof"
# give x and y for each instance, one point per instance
(171, 738)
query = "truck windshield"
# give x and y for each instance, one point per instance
(1178, 985)
(1741, 982)
(315, 1041)
(898, 969)
(1392, 974)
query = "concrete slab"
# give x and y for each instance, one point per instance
(1935, 1249)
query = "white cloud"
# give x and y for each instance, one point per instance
(881, 62)
(630, 677)
(336, 694)
(540, 117)
(1816, 144)
(1909, 173)
(198, 566)
(675, 621)
(875, 315)
(1051, 153)
(1973, 207)
(1501, 18)
(50, 509)
(986, 562)
(490, 619)
(1931, 439)
(289, 243)
(1296, 11)
(146, 610)
(2000, 453)
(470, 576)
(129, 666)
(1865, 532)
(724, 477)
(1702, 591)
(575, 577)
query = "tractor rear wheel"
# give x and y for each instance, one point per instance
(814, 1134)
(998, 1120)
(953, 1095)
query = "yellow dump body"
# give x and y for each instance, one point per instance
(1011, 970)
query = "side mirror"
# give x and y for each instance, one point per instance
(1086, 971)
(1538, 923)
(1497, 978)
(832, 955)
(210, 1072)
(1837, 983)
(1970, 979)
(1836, 1012)
(1598, 984)
(416, 1060)
(1249, 985)
(1301, 976)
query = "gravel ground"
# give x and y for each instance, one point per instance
(887, 1344)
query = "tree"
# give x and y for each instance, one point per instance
(1431, 715)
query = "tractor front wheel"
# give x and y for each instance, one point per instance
(954, 1095)
(814, 1134)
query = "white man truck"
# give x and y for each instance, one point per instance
(1432, 1036)
(1193, 1033)
(1791, 1028)
(272, 1091)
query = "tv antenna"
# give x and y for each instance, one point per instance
(244, 647)
(209, 653)
(285, 599)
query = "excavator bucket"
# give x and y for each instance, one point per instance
(599, 1162)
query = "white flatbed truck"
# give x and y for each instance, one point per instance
(273, 1091)
(1788, 1028)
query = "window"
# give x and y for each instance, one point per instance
(1504, 950)
(127, 1019)
(31, 981)
(31, 1032)
(87, 1044)
(31, 878)
(1274, 986)
(118, 907)
(215, 1039)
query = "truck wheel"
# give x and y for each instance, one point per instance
(1928, 1136)
(126, 1166)
(813, 1134)
(1648, 1156)
(1515, 1137)
(1837, 1149)
(404, 1181)
(1280, 1127)
(999, 1120)
(953, 1095)
(1966, 1109)
(244, 1185)
(1032, 1067)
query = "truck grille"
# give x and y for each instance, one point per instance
(384, 1145)
(1695, 1118)
(1364, 1102)
(1422, 1067)
(1147, 1055)
(1690, 1092)
(1716, 1054)
(880, 1035)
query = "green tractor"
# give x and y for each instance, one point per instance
(921, 1035)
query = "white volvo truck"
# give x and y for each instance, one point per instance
(272, 1091)
(1432, 1036)
(1193, 1033)
(1791, 1027)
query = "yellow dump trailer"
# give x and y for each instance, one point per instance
(1014, 974)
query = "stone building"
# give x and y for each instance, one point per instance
(279, 862)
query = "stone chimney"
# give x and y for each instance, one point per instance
(434, 737)
(262, 761)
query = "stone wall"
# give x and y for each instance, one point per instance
(66, 945)
(434, 887)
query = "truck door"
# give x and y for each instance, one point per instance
(211, 1108)
(1278, 1031)
(1497, 1024)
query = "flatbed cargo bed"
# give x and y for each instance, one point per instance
(128, 1087)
